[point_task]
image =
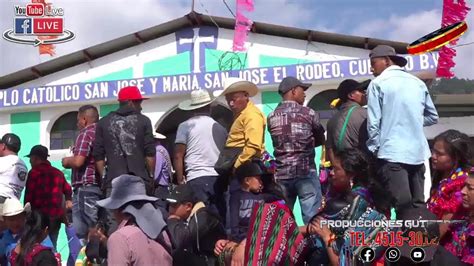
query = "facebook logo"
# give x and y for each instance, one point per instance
(23, 26)
(367, 254)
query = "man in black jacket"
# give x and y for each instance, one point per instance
(124, 144)
(193, 228)
(125, 138)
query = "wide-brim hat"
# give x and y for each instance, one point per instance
(148, 218)
(125, 189)
(199, 98)
(232, 85)
(157, 135)
(12, 207)
(385, 50)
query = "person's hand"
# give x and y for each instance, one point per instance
(239, 256)
(323, 231)
(97, 233)
(220, 246)
(68, 204)
(181, 181)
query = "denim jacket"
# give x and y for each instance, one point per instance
(399, 106)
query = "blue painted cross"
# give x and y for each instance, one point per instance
(191, 39)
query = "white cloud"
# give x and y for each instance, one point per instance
(401, 28)
(280, 12)
(410, 28)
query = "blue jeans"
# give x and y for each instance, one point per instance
(85, 209)
(307, 189)
(210, 190)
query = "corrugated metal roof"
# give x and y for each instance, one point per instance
(191, 19)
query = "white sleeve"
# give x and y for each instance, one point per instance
(5, 164)
(182, 134)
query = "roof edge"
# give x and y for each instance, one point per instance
(190, 19)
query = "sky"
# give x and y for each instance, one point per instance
(98, 21)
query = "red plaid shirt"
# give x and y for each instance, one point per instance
(45, 188)
(85, 175)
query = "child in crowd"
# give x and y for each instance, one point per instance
(252, 177)
(30, 250)
(256, 186)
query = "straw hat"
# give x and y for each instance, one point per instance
(232, 85)
(199, 98)
(12, 207)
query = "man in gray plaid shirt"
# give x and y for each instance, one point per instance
(296, 131)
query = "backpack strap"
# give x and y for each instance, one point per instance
(169, 247)
(35, 251)
(344, 127)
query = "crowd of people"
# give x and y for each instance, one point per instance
(221, 199)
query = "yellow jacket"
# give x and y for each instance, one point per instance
(248, 131)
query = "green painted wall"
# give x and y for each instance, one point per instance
(27, 127)
(122, 74)
(105, 109)
(173, 65)
(230, 61)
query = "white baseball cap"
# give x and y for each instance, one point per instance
(12, 207)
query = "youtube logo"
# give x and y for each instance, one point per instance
(34, 10)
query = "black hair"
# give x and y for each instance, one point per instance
(357, 162)
(459, 147)
(272, 188)
(354, 161)
(36, 224)
(89, 108)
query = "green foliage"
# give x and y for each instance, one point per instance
(452, 86)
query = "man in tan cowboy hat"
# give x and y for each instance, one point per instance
(247, 130)
(246, 136)
(199, 141)
(399, 106)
